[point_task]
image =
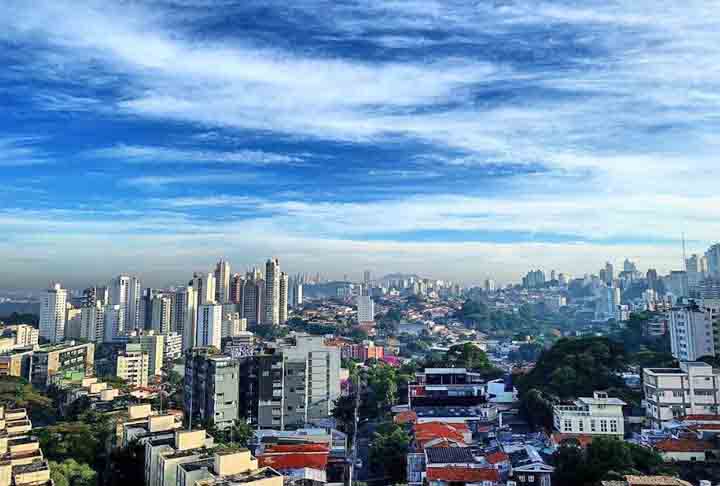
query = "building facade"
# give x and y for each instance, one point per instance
(212, 387)
(52, 314)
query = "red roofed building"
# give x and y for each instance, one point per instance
(287, 458)
(460, 476)
(406, 417)
(683, 449)
(429, 431)
(496, 458)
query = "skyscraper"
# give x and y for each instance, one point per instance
(92, 322)
(283, 300)
(366, 277)
(52, 313)
(185, 315)
(114, 324)
(161, 314)
(609, 273)
(126, 291)
(272, 292)
(712, 255)
(695, 275)
(204, 285)
(295, 292)
(252, 301)
(236, 288)
(222, 282)
(209, 326)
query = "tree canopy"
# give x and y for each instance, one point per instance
(388, 454)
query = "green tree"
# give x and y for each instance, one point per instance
(72, 473)
(127, 465)
(388, 454)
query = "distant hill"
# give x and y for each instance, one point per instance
(7, 308)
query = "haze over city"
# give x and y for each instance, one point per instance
(454, 139)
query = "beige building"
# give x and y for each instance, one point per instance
(133, 367)
(21, 460)
(597, 416)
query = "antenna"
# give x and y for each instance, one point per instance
(684, 255)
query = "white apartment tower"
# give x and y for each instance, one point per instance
(113, 325)
(209, 326)
(283, 300)
(691, 333)
(253, 291)
(204, 285)
(92, 322)
(272, 292)
(161, 314)
(185, 315)
(126, 292)
(222, 282)
(296, 293)
(366, 309)
(52, 313)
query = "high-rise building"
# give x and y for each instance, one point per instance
(489, 285)
(236, 289)
(146, 308)
(295, 291)
(72, 322)
(53, 364)
(677, 284)
(691, 333)
(222, 282)
(113, 326)
(52, 313)
(209, 326)
(204, 285)
(253, 298)
(365, 309)
(307, 377)
(609, 273)
(92, 322)
(161, 321)
(283, 299)
(652, 279)
(233, 324)
(212, 387)
(185, 315)
(712, 256)
(693, 267)
(367, 277)
(272, 292)
(629, 266)
(126, 291)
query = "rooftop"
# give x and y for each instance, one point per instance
(462, 474)
(449, 455)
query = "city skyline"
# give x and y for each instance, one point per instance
(460, 140)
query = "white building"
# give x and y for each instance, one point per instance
(600, 415)
(233, 324)
(296, 294)
(173, 347)
(222, 282)
(272, 292)
(366, 309)
(691, 333)
(126, 291)
(672, 393)
(283, 299)
(161, 314)
(209, 326)
(113, 325)
(204, 286)
(92, 322)
(52, 313)
(185, 315)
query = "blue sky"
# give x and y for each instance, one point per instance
(453, 138)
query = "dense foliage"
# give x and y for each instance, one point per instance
(388, 453)
(604, 458)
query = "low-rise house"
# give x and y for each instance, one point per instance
(527, 467)
(684, 449)
(599, 416)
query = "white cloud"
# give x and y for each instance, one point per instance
(155, 154)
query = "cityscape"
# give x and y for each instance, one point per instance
(359, 243)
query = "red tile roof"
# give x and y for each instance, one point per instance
(704, 427)
(497, 457)
(295, 456)
(440, 430)
(466, 474)
(683, 445)
(583, 439)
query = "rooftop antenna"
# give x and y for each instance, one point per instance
(684, 256)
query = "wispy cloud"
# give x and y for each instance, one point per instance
(155, 154)
(161, 182)
(22, 151)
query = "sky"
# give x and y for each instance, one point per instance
(455, 139)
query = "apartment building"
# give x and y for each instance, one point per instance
(65, 361)
(691, 332)
(22, 462)
(672, 393)
(212, 387)
(298, 383)
(597, 416)
(133, 367)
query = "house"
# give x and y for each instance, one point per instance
(451, 466)
(527, 467)
(683, 449)
(597, 416)
(446, 387)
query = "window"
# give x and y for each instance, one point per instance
(704, 393)
(531, 479)
(581, 425)
(677, 394)
(613, 426)
(603, 425)
(593, 427)
(568, 425)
